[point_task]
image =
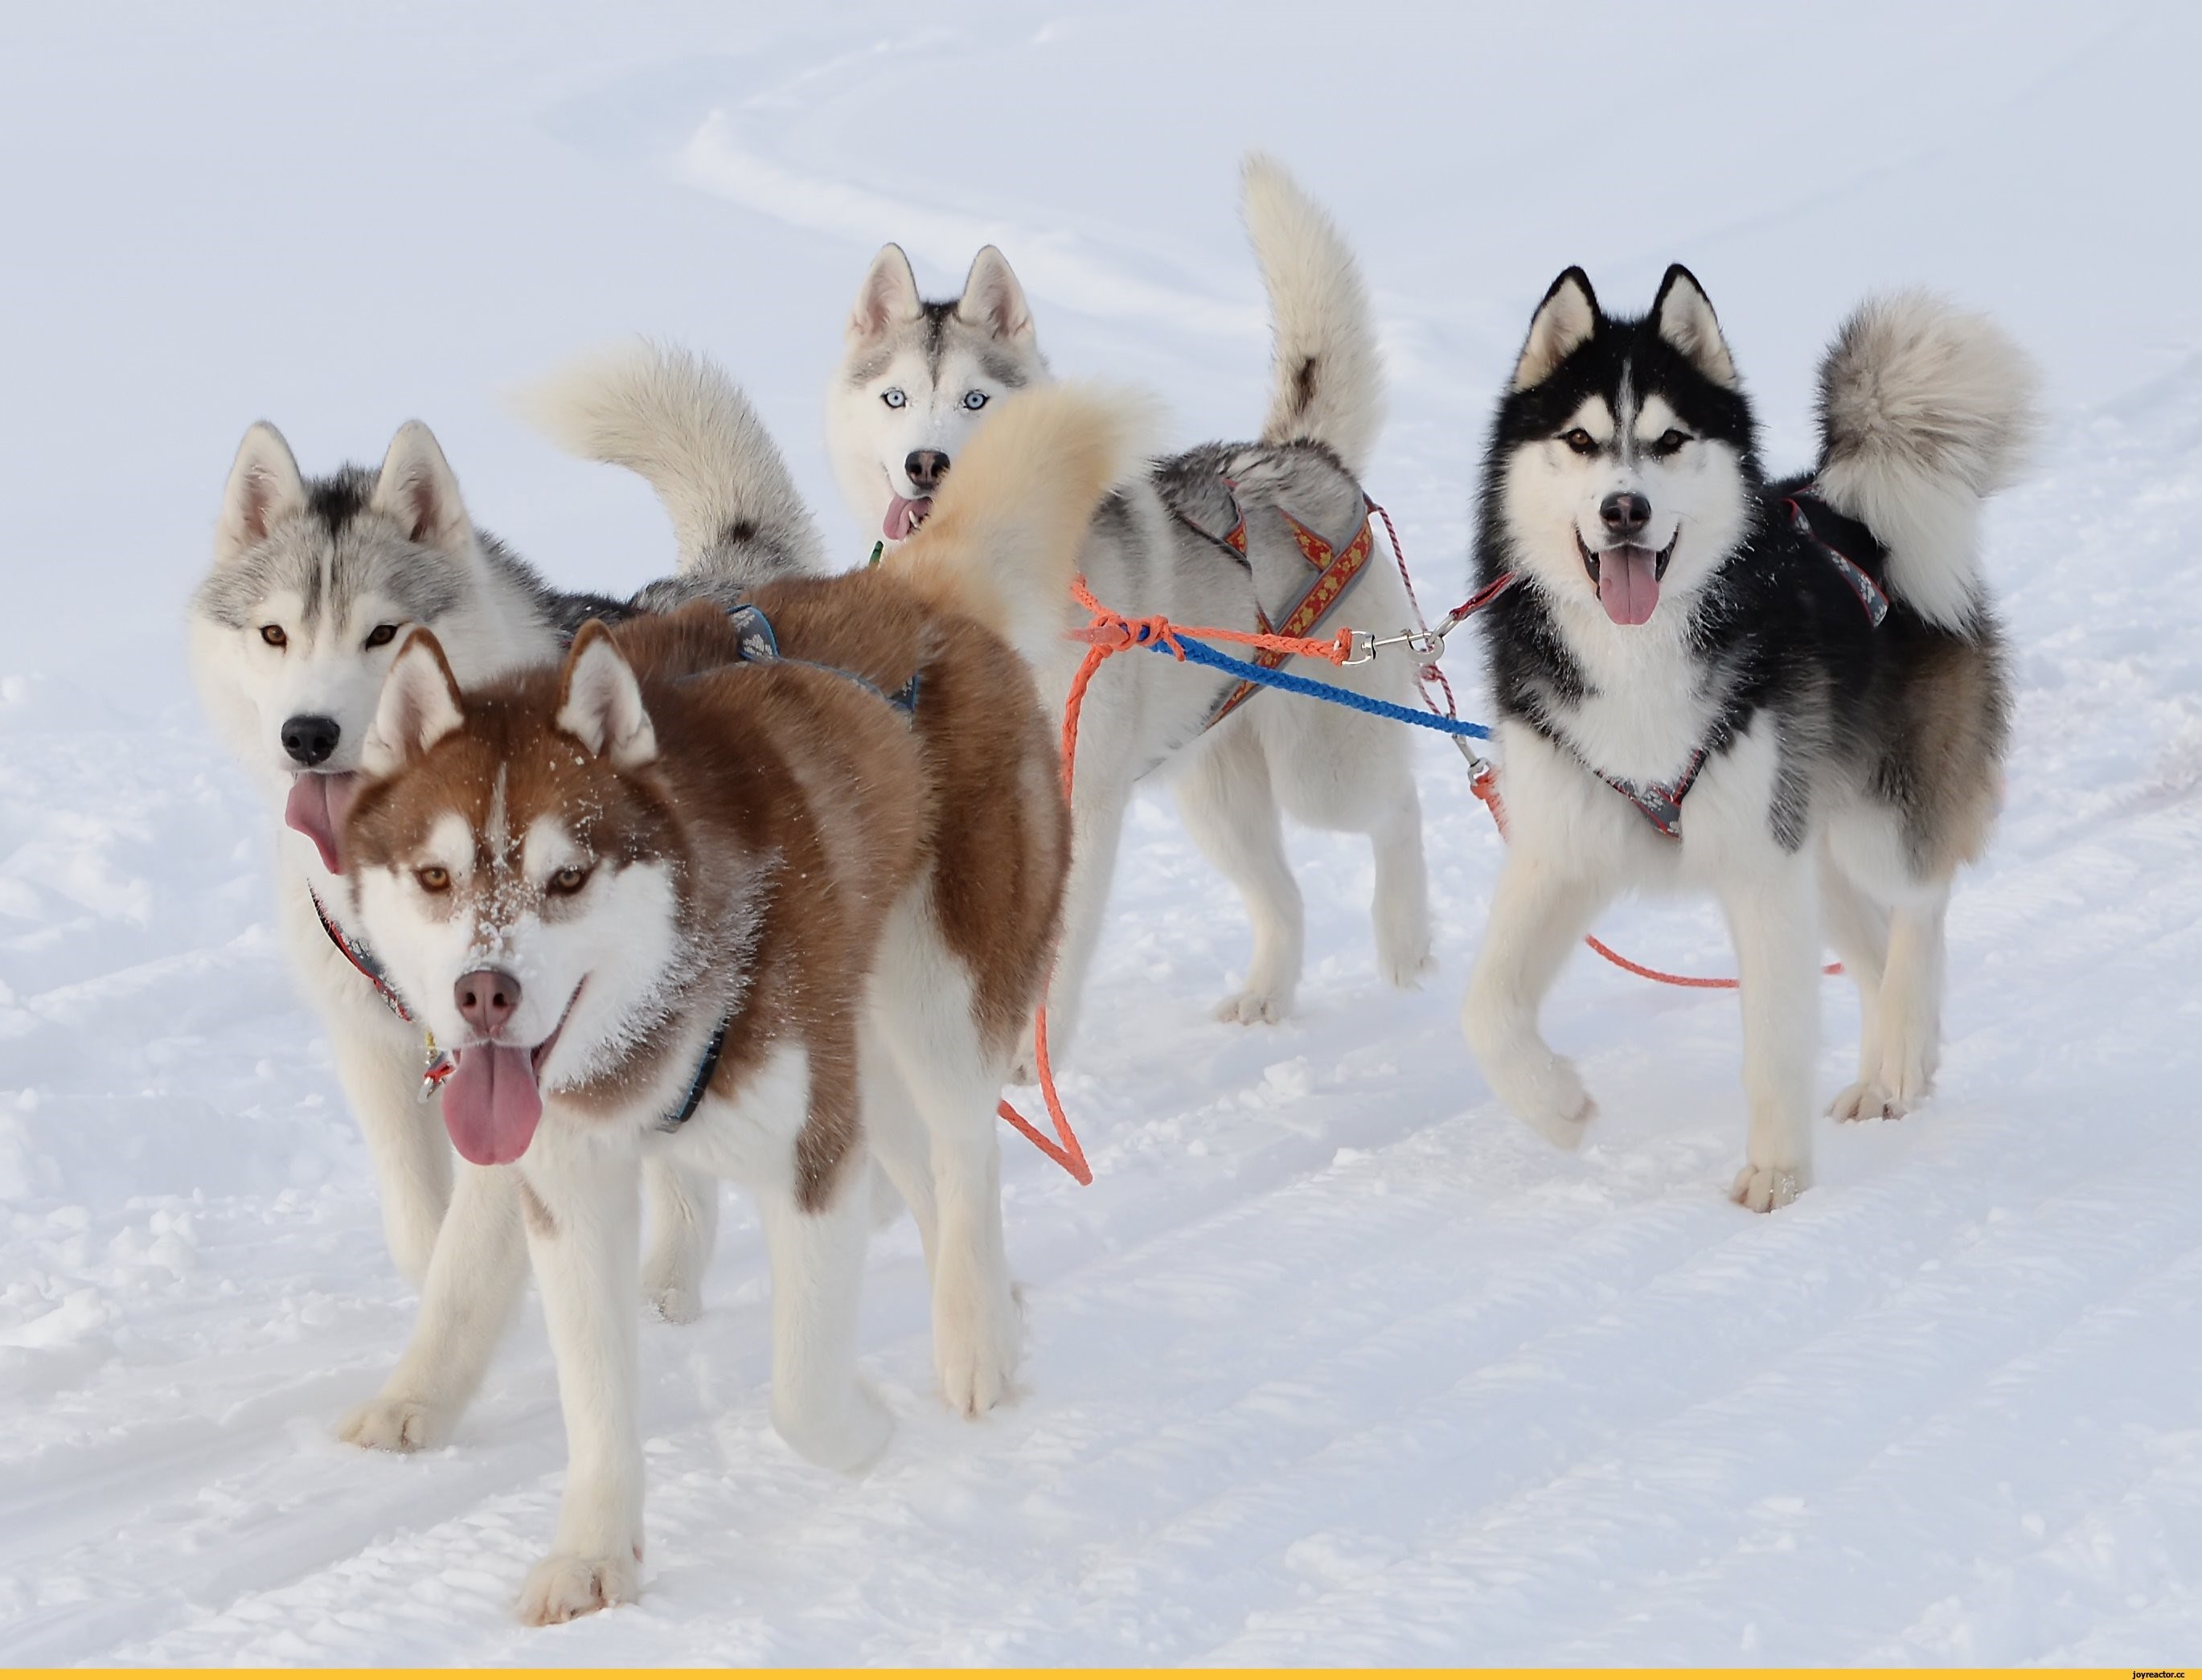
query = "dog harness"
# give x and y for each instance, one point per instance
(1335, 571)
(758, 644)
(1660, 803)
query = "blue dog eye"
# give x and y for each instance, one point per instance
(975, 399)
(892, 396)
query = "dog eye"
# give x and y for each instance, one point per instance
(892, 396)
(1670, 440)
(567, 881)
(1580, 441)
(434, 879)
(272, 635)
(975, 399)
(381, 636)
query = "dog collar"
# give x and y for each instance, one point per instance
(436, 1065)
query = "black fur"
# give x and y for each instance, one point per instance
(1776, 627)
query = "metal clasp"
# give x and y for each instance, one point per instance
(1428, 645)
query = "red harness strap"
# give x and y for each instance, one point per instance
(1334, 572)
(437, 1064)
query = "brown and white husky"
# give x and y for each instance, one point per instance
(763, 896)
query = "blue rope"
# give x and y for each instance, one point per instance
(1199, 654)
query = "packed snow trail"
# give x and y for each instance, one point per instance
(1335, 1360)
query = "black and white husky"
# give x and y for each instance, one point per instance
(1790, 695)
(1219, 535)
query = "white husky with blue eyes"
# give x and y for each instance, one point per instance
(917, 378)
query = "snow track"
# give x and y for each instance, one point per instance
(1335, 1360)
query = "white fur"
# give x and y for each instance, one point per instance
(1320, 315)
(249, 689)
(679, 421)
(1276, 755)
(1564, 321)
(1577, 845)
(925, 1067)
(604, 709)
(1926, 409)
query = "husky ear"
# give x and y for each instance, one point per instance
(1687, 321)
(419, 705)
(417, 489)
(1562, 325)
(600, 702)
(993, 298)
(888, 298)
(264, 487)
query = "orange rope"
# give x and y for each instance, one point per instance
(1111, 632)
(1486, 788)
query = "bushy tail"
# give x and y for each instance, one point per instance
(677, 420)
(1925, 410)
(1329, 379)
(1003, 540)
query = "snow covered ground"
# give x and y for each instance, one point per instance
(1334, 1360)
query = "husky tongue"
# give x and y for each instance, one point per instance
(491, 1104)
(317, 809)
(1628, 583)
(903, 516)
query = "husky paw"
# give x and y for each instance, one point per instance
(1554, 1103)
(1882, 1098)
(561, 1589)
(1867, 1101)
(677, 1302)
(849, 1440)
(1254, 1007)
(1763, 1188)
(1407, 974)
(387, 1424)
(975, 1331)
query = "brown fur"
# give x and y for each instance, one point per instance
(794, 793)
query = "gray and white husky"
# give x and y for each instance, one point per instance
(1207, 539)
(1788, 694)
(314, 585)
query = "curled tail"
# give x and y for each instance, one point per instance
(1925, 411)
(1003, 541)
(686, 427)
(1329, 378)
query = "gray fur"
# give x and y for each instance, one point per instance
(679, 422)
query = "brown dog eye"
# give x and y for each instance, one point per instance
(1580, 441)
(1670, 441)
(569, 880)
(381, 635)
(434, 879)
(272, 635)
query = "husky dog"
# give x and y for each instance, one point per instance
(695, 896)
(313, 586)
(1790, 695)
(1216, 536)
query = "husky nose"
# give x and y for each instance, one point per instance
(309, 740)
(486, 998)
(1625, 513)
(925, 467)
